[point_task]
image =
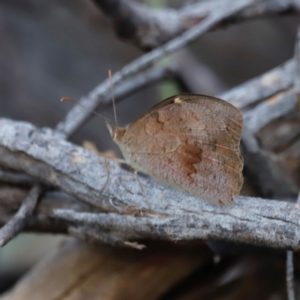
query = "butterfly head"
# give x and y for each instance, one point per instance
(116, 132)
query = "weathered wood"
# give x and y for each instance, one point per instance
(175, 215)
(18, 221)
(79, 271)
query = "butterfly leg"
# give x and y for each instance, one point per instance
(120, 161)
(106, 183)
(108, 176)
(143, 190)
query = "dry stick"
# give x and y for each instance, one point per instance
(254, 90)
(196, 75)
(76, 117)
(176, 215)
(259, 9)
(290, 275)
(261, 87)
(290, 282)
(297, 73)
(123, 89)
(18, 221)
(15, 178)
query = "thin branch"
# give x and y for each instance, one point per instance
(263, 100)
(42, 220)
(147, 28)
(18, 221)
(195, 75)
(77, 116)
(174, 215)
(261, 87)
(255, 90)
(297, 71)
(131, 85)
(263, 165)
(15, 178)
(290, 280)
(269, 110)
(290, 275)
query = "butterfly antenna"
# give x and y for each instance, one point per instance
(112, 95)
(90, 110)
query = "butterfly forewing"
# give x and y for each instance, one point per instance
(190, 142)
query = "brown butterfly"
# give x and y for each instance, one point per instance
(190, 142)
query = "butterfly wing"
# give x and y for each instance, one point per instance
(190, 142)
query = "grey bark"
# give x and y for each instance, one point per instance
(175, 215)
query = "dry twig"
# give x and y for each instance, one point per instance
(148, 29)
(18, 221)
(290, 282)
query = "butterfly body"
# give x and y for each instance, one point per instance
(190, 142)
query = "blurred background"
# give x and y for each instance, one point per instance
(52, 49)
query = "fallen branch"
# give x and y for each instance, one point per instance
(250, 220)
(7, 176)
(175, 215)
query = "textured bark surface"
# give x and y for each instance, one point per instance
(175, 215)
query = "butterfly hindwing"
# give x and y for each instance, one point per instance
(190, 142)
